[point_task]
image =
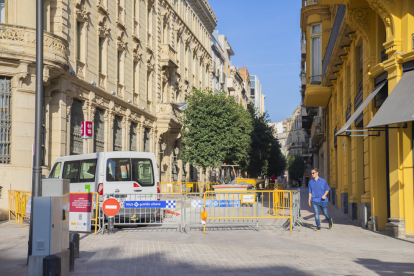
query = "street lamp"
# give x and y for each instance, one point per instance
(37, 158)
(163, 147)
(176, 150)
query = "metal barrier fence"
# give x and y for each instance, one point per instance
(186, 187)
(256, 205)
(297, 219)
(184, 209)
(18, 201)
(145, 209)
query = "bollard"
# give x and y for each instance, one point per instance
(51, 266)
(110, 225)
(74, 237)
(71, 256)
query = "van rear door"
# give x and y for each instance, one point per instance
(129, 176)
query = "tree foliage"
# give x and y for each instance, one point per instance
(215, 130)
(265, 155)
(296, 166)
(277, 160)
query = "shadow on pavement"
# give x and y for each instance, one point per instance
(161, 264)
(387, 268)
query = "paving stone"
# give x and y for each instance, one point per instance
(345, 250)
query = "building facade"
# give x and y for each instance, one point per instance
(359, 67)
(218, 74)
(295, 135)
(121, 64)
(256, 95)
(280, 133)
(245, 99)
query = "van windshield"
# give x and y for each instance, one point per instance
(142, 172)
(55, 173)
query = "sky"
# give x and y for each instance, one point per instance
(265, 37)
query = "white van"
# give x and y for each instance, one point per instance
(118, 173)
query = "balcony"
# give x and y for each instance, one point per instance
(317, 130)
(168, 117)
(168, 56)
(21, 41)
(316, 95)
(295, 145)
(308, 3)
(231, 84)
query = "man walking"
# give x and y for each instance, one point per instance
(318, 190)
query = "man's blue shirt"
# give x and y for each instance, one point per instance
(318, 188)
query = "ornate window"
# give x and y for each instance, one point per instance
(147, 140)
(76, 118)
(3, 11)
(117, 133)
(133, 137)
(316, 53)
(101, 50)
(99, 131)
(79, 40)
(5, 121)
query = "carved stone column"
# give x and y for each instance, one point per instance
(126, 129)
(110, 131)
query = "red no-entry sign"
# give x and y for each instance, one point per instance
(111, 207)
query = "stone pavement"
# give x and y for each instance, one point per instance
(345, 250)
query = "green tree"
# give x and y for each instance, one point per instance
(263, 145)
(277, 160)
(215, 130)
(296, 166)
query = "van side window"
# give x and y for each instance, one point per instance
(118, 169)
(80, 170)
(55, 173)
(142, 172)
(87, 171)
(71, 171)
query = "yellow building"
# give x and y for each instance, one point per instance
(360, 71)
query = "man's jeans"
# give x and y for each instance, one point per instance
(324, 207)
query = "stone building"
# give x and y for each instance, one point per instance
(244, 73)
(359, 79)
(256, 95)
(280, 132)
(124, 65)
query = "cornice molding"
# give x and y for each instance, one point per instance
(358, 19)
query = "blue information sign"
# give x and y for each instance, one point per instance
(222, 203)
(150, 204)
